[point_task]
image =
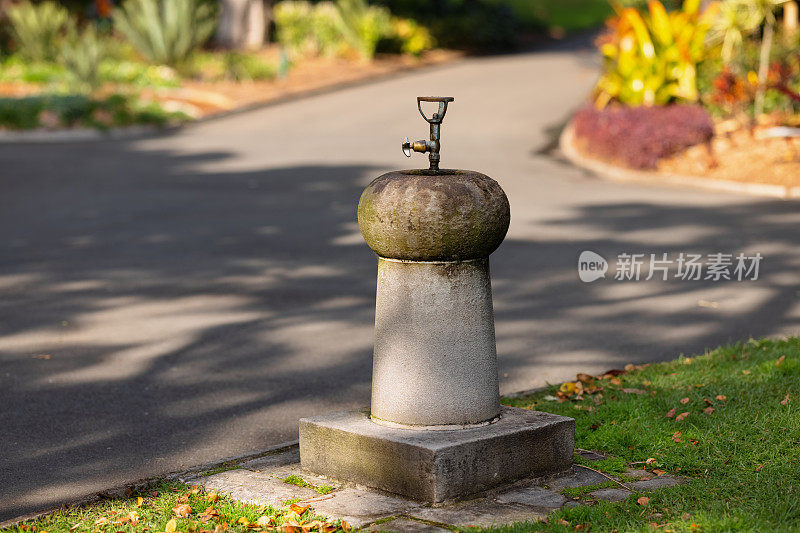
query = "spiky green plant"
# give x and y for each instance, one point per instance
(81, 54)
(166, 32)
(37, 28)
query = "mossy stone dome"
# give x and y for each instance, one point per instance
(419, 215)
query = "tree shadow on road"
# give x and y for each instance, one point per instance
(158, 315)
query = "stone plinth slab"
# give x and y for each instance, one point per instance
(436, 466)
(254, 487)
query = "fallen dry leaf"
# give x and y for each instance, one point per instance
(684, 401)
(208, 514)
(75, 526)
(182, 511)
(671, 412)
(643, 500)
(650, 461)
(212, 497)
(634, 391)
(676, 437)
(721, 397)
(709, 410)
(585, 378)
(708, 402)
(139, 501)
(681, 417)
(745, 372)
(184, 498)
(786, 400)
(780, 360)
(629, 367)
(101, 521)
(616, 381)
(134, 517)
(171, 526)
(298, 509)
(345, 526)
(759, 467)
(244, 521)
(194, 490)
(265, 521)
(658, 472)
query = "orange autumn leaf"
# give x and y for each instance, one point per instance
(709, 410)
(658, 472)
(171, 526)
(780, 360)
(650, 461)
(134, 517)
(182, 511)
(194, 490)
(681, 417)
(786, 400)
(671, 412)
(676, 437)
(212, 497)
(345, 527)
(298, 509)
(684, 401)
(721, 397)
(643, 500)
(139, 501)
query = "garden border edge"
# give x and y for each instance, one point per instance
(610, 172)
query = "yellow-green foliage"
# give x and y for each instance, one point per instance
(344, 27)
(651, 58)
(37, 28)
(415, 38)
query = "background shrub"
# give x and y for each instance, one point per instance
(346, 26)
(81, 55)
(638, 137)
(37, 28)
(166, 31)
(475, 25)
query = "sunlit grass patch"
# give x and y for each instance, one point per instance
(726, 421)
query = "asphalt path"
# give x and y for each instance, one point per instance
(171, 301)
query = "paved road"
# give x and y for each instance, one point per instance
(200, 292)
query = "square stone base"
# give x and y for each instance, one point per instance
(436, 466)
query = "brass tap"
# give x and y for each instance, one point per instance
(433, 145)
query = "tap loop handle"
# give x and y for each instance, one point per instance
(439, 115)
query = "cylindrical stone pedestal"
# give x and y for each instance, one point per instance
(435, 361)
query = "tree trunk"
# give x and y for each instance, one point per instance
(242, 24)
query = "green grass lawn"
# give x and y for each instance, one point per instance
(175, 507)
(738, 446)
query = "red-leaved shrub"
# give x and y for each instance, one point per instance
(638, 137)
